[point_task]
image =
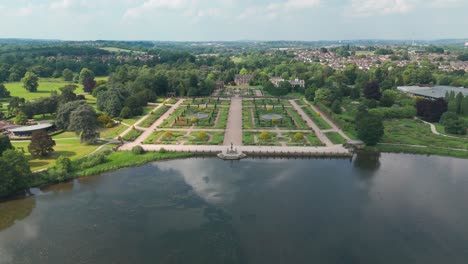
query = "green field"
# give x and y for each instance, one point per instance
(413, 132)
(71, 148)
(46, 86)
(119, 50)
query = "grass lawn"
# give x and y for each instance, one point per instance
(132, 135)
(71, 148)
(133, 120)
(122, 159)
(316, 118)
(335, 138)
(223, 117)
(113, 132)
(154, 116)
(46, 86)
(413, 132)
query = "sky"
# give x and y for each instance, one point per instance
(231, 20)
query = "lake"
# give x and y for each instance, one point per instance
(387, 208)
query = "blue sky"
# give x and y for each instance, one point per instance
(200, 20)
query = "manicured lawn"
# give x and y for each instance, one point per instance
(71, 148)
(113, 132)
(132, 135)
(223, 117)
(316, 118)
(154, 116)
(300, 123)
(46, 86)
(335, 138)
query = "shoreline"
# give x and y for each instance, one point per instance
(150, 157)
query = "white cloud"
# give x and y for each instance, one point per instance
(272, 10)
(378, 7)
(382, 7)
(151, 5)
(63, 4)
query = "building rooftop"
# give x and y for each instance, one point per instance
(434, 91)
(44, 125)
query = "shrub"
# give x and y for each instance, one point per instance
(202, 135)
(91, 161)
(298, 137)
(264, 136)
(138, 150)
(168, 134)
(162, 150)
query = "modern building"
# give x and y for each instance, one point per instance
(432, 91)
(242, 79)
(26, 131)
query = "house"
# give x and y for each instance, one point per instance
(296, 82)
(242, 79)
(276, 81)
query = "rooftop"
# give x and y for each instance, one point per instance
(434, 91)
(44, 125)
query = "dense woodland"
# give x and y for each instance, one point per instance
(148, 71)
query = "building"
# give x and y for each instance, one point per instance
(433, 91)
(296, 82)
(276, 81)
(242, 80)
(26, 131)
(219, 85)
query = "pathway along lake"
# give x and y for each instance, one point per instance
(387, 209)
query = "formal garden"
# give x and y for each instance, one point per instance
(268, 138)
(185, 138)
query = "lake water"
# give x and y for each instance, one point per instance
(388, 209)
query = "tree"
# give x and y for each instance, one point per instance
(431, 110)
(244, 71)
(30, 82)
(62, 119)
(126, 112)
(323, 96)
(16, 174)
(67, 75)
(370, 128)
(67, 93)
(15, 105)
(4, 93)
(83, 121)
(87, 79)
(41, 144)
(388, 98)
(372, 90)
(21, 119)
(310, 93)
(464, 106)
(336, 107)
(4, 143)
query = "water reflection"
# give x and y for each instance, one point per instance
(15, 210)
(379, 209)
(367, 160)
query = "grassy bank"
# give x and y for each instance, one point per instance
(124, 159)
(419, 150)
